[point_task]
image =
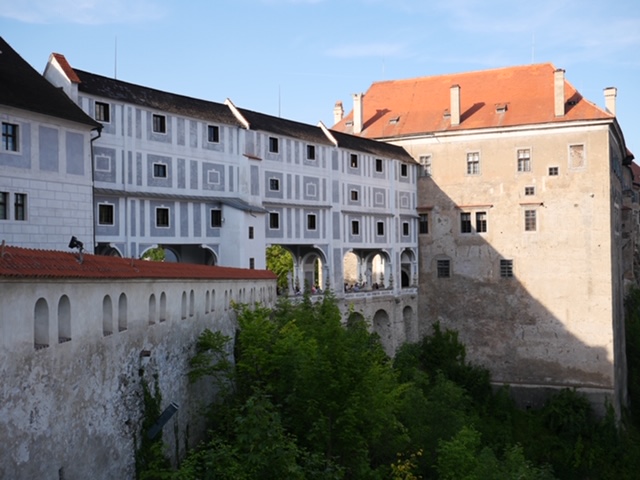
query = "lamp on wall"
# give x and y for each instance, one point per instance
(75, 243)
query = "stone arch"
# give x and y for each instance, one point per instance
(408, 274)
(350, 265)
(210, 257)
(314, 269)
(377, 269)
(152, 309)
(163, 307)
(355, 318)
(382, 326)
(108, 250)
(41, 324)
(64, 319)
(107, 316)
(410, 326)
(122, 312)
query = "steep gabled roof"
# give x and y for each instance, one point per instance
(17, 262)
(23, 87)
(118, 90)
(504, 97)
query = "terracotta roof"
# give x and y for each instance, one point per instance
(68, 71)
(502, 97)
(17, 262)
(24, 88)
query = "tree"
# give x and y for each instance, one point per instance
(280, 262)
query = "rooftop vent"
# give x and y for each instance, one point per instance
(394, 120)
(501, 107)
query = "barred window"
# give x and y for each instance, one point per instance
(506, 268)
(443, 268)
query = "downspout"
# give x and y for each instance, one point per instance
(93, 206)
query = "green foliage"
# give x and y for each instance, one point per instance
(211, 358)
(154, 254)
(280, 262)
(632, 334)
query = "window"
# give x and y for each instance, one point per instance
(213, 134)
(355, 227)
(250, 233)
(274, 221)
(473, 163)
(354, 195)
(311, 221)
(160, 170)
(423, 224)
(553, 171)
(105, 214)
(529, 191)
(9, 137)
(524, 160)
(425, 162)
(481, 222)
(379, 165)
(159, 123)
(102, 112)
(4, 201)
(404, 170)
(274, 184)
(273, 145)
(530, 221)
(216, 218)
(576, 156)
(20, 206)
(465, 222)
(405, 229)
(162, 217)
(353, 162)
(380, 228)
(311, 152)
(443, 268)
(252, 263)
(506, 268)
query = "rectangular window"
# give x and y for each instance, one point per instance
(216, 218)
(465, 222)
(423, 224)
(273, 145)
(355, 227)
(530, 224)
(506, 268)
(160, 170)
(103, 113)
(404, 170)
(162, 217)
(354, 195)
(252, 263)
(473, 163)
(213, 134)
(311, 152)
(250, 233)
(524, 160)
(529, 191)
(274, 221)
(9, 137)
(405, 229)
(4, 205)
(311, 221)
(481, 222)
(443, 268)
(553, 171)
(105, 214)
(380, 228)
(425, 163)
(20, 206)
(379, 165)
(353, 162)
(274, 184)
(159, 123)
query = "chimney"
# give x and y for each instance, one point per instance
(610, 94)
(455, 105)
(357, 112)
(338, 112)
(558, 92)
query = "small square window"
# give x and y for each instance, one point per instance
(425, 162)
(506, 268)
(250, 233)
(159, 123)
(273, 145)
(353, 161)
(160, 170)
(9, 137)
(529, 191)
(380, 228)
(379, 165)
(443, 268)
(20, 206)
(162, 217)
(530, 221)
(473, 163)
(103, 113)
(105, 214)
(355, 227)
(354, 195)
(553, 171)
(423, 224)
(311, 152)
(274, 184)
(465, 222)
(404, 170)
(4, 205)
(524, 160)
(481, 222)
(216, 218)
(274, 221)
(213, 134)
(311, 221)
(405, 229)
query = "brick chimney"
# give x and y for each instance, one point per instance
(338, 112)
(558, 92)
(357, 112)
(610, 94)
(455, 105)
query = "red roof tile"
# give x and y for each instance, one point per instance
(17, 262)
(418, 105)
(69, 72)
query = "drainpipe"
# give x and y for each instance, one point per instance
(93, 180)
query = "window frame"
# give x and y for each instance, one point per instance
(159, 123)
(353, 160)
(380, 228)
(466, 226)
(481, 223)
(274, 184)
(102, 111)
(506, 268)
(530, 220)
(159, 168)
(215, 218)
(524, 160)
(251, 233)
(103, 216)
(404, 170)
(473, 163)
(443, 268)
(554, 171)
(20, 207)
(213, 134)
(10, 137)
(274, 145)
(312, 222)
(354, 195)
(4, 206)
(274, 221)
(423, 224)
(379, 165)
(311, 152)
(355, 228)
(406, 229)
(529, 191)
(160, 211)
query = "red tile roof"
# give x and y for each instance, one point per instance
(69, 72)
(17, 262)
(418, 105)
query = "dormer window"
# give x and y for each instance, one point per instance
(501, 107)
(394, 120)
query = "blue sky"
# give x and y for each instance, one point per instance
(296, 58)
